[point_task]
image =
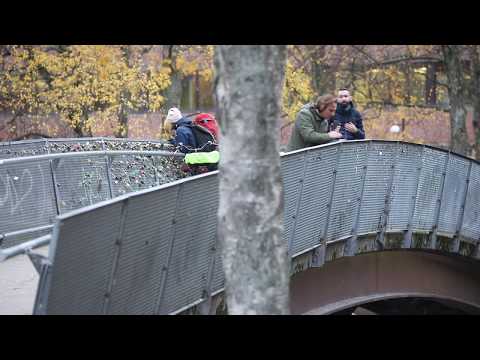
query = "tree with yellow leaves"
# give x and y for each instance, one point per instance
(81, 83)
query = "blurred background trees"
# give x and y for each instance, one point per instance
(419, 93)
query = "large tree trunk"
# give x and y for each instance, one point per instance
(197, 90)
(452, 56)
(475, 56)
(173, 94)
(431, 85)
(248, 87)
(188, 94)
(323, 77)
(77, 128)
(122, 127)
(407, 72)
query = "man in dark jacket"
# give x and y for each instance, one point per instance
(347, 117)
(184, 138)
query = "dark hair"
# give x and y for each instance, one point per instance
(323, 101)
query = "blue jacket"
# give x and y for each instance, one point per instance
(184, 138)
(346, 115)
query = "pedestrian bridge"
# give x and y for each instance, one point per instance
(40, 179)
(364, 220)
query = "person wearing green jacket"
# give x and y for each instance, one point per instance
(312, 124)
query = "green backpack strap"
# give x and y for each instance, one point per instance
(211, 157)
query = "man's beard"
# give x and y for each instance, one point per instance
(344, 104)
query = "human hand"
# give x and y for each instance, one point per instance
(335, 134)
(351, 127)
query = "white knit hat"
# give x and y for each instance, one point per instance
(174, 115)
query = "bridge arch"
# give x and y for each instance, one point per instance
(357, 280)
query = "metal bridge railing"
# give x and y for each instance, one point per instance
(14, 149)
(155, 251)
(34, 190)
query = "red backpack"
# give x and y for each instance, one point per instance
(209, 122)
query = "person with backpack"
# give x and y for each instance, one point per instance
(209, 122)
(184, 138)
(198, 139)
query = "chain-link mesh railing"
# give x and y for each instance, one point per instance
(156, 252)
(13, 149)
(34, 190)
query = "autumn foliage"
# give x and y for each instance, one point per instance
(125, 90)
